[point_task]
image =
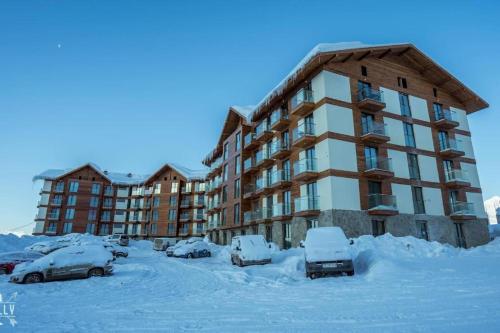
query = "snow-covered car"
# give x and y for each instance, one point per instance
(194, 239)
(79, 261)
(193, 250)
(9, 260)
(116, 250)
(327, 252)
(250, 250)
(161, 244)
(170, 250)
(47, 247)
(119, 239)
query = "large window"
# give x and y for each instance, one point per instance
(374, 187)
(367, 121)
(73, 186)
(224, 193)
(94, 202)
(70, 213)
(175, 187)
(171, 229)
(404, 103)
(413, 166)
(443, 140)
(108, 203)
(156, 201)
(287, 203)
(237, 188)
(52, 228)
(287, 236)
(104, 230)
(172, 213)
(371, 155)
(237, 165)
(96, 188)
(237, 141)
(237, 214)
(409, 135)
(224, 172)
(90, 228)
(156, 215)
(173, 201)
(418, 200)
(67, 227)
(106, 216)
(225, 152)
(223, 216)
(92, 215)
(154, 228)
(71, 200)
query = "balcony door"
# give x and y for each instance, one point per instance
(364, 89)
(460, 235)
(371, 154)
(443, 140)
(374, 188)
(367, 121)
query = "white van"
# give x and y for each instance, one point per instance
(161, 244)
(250, 250)
(327, 252)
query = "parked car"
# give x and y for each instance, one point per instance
(161, 244)
(193, 250)
(170, 250)
(327, 252)
(120, 239)
(80, 261)
(9, 260)
(116, 250)
(47, 247)
(194, 239)
(250, 250)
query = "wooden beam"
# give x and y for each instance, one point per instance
(347, 58)
(364, 55)
(386, 52)
(404, 51)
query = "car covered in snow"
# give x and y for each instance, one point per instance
(116, 250)
(250, 250)
(161, 244)
(170, 250)
(9, 260)
(79, 261)
(327, 252)
(196, 249)
(120, 239)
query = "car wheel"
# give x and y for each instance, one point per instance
(312, 276)
(350, 273)
(33, 278)
(240, 263)
(96, 272)
(209, 254)
(190, 256)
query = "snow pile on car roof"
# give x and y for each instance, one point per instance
(12, 242)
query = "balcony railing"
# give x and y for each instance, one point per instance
(262, 183)
(56, 202)
(462, 208)
(382, 202)
(248, 217)
(302, 96)
(261, 128)
(59, 189)
(445, 114)
(185, 203)
(53, 216)
(282, 209)
(456, 175)
(184, 217)
(199, 217)
(278, 115)
(377, 128)
(280, 176)
(302, 130)
(375, 163)
(451, 144)
(262, 155)
(279, 146)
(370, 94)
(215, 164)
(248, 139)
(306, 203)
(257, 214)
(248, 164)
(304, 165)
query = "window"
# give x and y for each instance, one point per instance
(92, 215)
(73, 186)
(135, 216)
(286, 169)
(173, 201)
(287, 203)
(71, 200)
(104, 230)
(371, 155)
(59, 187)
(443, 140)
(422, 230)
(225, 152)
(70, 213)
(199, 228)
(409, 135)
(156, 201)
(404, 104)
(154, 228)
(172, 213)
(185, 228)
(134, 229)
(175, 187)
(367, 121)
(413, 166)
(374, 187)
(108, 190)
(67, 227)
(285, 139)
(108, 203)
(106, 216)
(171, 229)
(312, 223)
(237, 141)
(236, 218)
(402, 82)
(52, 228)
(237, 189)
(438, 111)
(96, 188)
(224, 173)
(155, 215)
(224, 193)
(364, 89)
(364, 72)
(378, 227)
(418, 200)
(94, 202)
(269, 233)
(223, 216)
(90, 228)
(237, 165)
(287, 236)
(448, 167)
(57, 199)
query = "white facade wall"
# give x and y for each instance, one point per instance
(471, 173)
(122, 192)
(428, 168)
(466, 145)
(423, 137)
(39, 226)
(47, 185)
(42, 213)
(418, 107)
(336, 154)
(404, 198)
(395, 131)
(44, 199)
(477, 200)
(333, 118)
(121, 204)
(461, 117)
(328, 84)
(338, 193)
(433, 201)
(391, 99)
(120, 218)
(399, 163)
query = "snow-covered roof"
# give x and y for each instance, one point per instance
(189, 173)
(244, 111)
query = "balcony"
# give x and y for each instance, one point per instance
(279, 149)
(304, 135)
(279, 119)
(53, 216)
(249, 166)
(305, 169)
(263, 132)
(456, 179)
(59, 189)
(249, 142)
(199, 217)
(451, 149)
(302, 103)
(199, 203)
(216, 166)
(185, 203)
(185, 190)
(249, 191)
(184, 218)
(375, 133)
(56, 202)
(257, 215)
(306, 206)
(382, 204)
(462, 211)
(379, 168)
(263, 158)
(371, 99)
(262, 185)
(281, 211)
(248, 217)
(280, 179)
(445, 119)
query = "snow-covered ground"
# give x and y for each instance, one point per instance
(401, 285)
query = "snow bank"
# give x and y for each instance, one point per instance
(12, 242)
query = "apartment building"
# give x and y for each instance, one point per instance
(373, 139)
(168, 203)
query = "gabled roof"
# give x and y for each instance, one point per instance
(341, 52)
(183, 171)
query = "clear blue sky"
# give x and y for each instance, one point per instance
(137, 83)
